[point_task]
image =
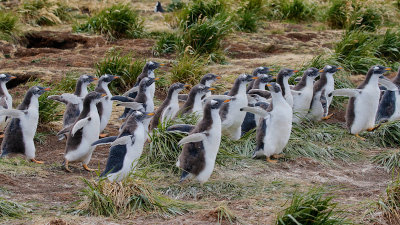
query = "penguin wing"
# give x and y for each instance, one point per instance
(132, 90)
(14, 113)
(123, 140)
(295, 92)
(131, 105)
(58, 98)
(104, 141)
(3, 103)
(115, 159)
(387, 106)
(218, 97)
(182, 128)
(197, 137)
(388, 84)
(263, 93)
(255, 110)
(71, 98)
(122, 99)
(324, 102)
(80, 124)
(345, 92)
(183, 97)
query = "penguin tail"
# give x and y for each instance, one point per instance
(257, 153)
(184, 176)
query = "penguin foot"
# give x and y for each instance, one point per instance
(103, 135)
(373, 128)
(278, 156)
(363, 139)
(67, 167)
(87, 168)
(36, 161)
(271, 160)
(327, 117)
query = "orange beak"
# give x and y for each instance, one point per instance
(150, 114)
(187, 85)
(254, 78)
(47, 89)
(321, 71)
(340, 68)
(162, 64)
(388, 69)
(228, 100)
(295, 71)
(116, 77)
(157, 78)
(13, 77)
(271, 69)
(218, 77)
(95, 78)
(103, 95)
(269, 85)
(211, 89)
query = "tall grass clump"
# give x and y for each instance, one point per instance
(44, 12)
(117, 21)
(10, 209)
(223, 213)
(175, 5)
(198, 10)
(166, 43)
(337, 16)
(388, 135)
(188, 69)
(8, 25)
(242, 148)
(121, 65)
(292, 10)
(390, 204)
(312, 207)
(389, 159)
(249, 14)
(389, 47)
(126, 198)
(366, 18)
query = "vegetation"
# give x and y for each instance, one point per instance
(366, 18)
(188, 69)
(225, 214)
(44, 12)
(117, 21)
(8, 25)
(312, 207)
(389, 159)
(292, 10)
(387, 135)
(249, 14)
(390, 205)
(120, 65)
(199, 10)
(175, 5)
(337, 16)
(10, 209)
(166, 43)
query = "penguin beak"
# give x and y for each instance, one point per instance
(47, 89)
(103, 95)
(116, 77)
(228, 100)
(340, 68)
(269, 85)
(295, 71)
(187, 85)
(162, 64)
(95, 78)
(211, 89)
(254, 78)
(219, 77)
(388, 69)
(150, 114)
(322, 70)
(12, 77)
(271, 69)
(157, 78)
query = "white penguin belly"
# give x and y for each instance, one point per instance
(28, 125)
(169, 114)
(279, 127)
(152, 90)
(301, 105)
(106, 114)
(316, 113)
(234, 119)
(365, 109)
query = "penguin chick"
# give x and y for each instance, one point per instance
(84, 132)
(232, 117)
(303, 94)
(262, 70)
(19, 134)
(283, 80)
(104, 107)
(206, 80)
(170, 106)
(194, 103)
(389, 105)
(276, 125)
(158, 8)
(5, 98)
(363, 104)
(200, 148)
(126, 148)
(320, 103)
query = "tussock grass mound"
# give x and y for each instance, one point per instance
(45, 12)
(390, 204)
(188, 69)
(10, 209)
(8, 25)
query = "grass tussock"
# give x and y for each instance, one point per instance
(10, 209)
(312, 207)
(175, 5)
(389, 159)
(390, 204)
(45, 12)
(387, 135)
(366, 18)
(291, 10)
(126, 198)
(121, 65)
(8, 25)
(249, 15)
(188, 69)
(198, 10)
(166, 43)
(224, 214)
(117, 21)
(242, 148)
(338, 14)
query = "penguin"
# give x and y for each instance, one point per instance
(250, 120)
(303, 94)
(126, 148)
(320, 103)
(201, 146)
(206, 80)
(19, 134)
(262, 70)
(74, 105)
(363, 103)
(170, 106)
(5, 99)
(148, 71)
(232, 117)
(194, 102)
(389, 105)
(274, 132)
(283, 80)
(84, 132)
(158, 8)
(105, 105)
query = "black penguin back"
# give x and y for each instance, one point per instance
(387, 106)
(115, 160)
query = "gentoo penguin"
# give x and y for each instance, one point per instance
(74, 105)
(5, 99)
(303, 94)
(194, 102)
(158, 7)
(201, 146)
(276, 125)
(283, 80)
(126, 148)
(206, 80)
(84, 132)
(389, 105)
(105, 105)
(250, 120)
(148, 71)
(363, 104)
(170, 106)
(262, 70)
(232, 117)
(19, 134)
(320, 103)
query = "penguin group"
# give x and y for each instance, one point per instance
(261, 101)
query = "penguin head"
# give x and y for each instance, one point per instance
(93, 97)
(209, 78)
(201, 89)
(261, 70)
(151, 66)
(312, 72)
(330, 69)
(107, 78)
(246, 78)
(274, 87)
(178, 87)
(287, 73)
(140, 115)
(37, 91)
(217, 103)
(265, 78)
(87, 79)
(5, 78)
(379, 70)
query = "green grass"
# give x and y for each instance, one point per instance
(166, 43)
(117, 21)
(366, 18)
(387, 135)
(337, 15)
(175, 5)
(188, 69)
(249, 15)
(198, 10)
(312, 207)
(44, 12)
(291, 10)
(389, 47)
(389, 159)
(8, 25)
(121, 65)
(10, 209)
(390, 204)
(225, 214)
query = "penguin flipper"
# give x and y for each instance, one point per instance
(263, 93)
(122, 99)
(123, 140)
(131, 105)
(255, 110)
(388, 84)
(386, 106)
(132, 90)
(3, 103)
(183, 97)
(104, 141)
(263, 105)
(14, 113)
(218, 97)
(57, 98)
(197, 137)
(324, 102)
(80, 124)
(346, 92)
(115, 159)
(182, 128)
